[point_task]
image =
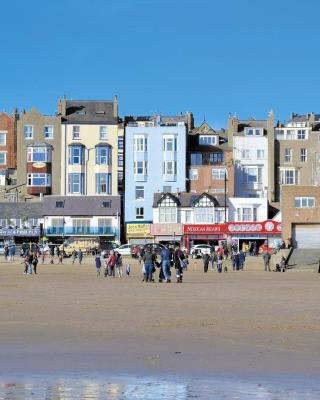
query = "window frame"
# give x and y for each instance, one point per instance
(141, 189)
(51, 137)
(30, 137)
(306, 199)
(222, 173)
(75, 132)
(32, 176)
(103, 135)
(4, 134)
(4, 153)
(139, 214)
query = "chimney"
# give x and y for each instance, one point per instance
(15, 113)
(190, 121)
(115, 106)
(62, 105)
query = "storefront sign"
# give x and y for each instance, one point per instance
(39, 164)
(265, 227)
(20, 232)
(166, 229)
(203, 229)
(138, 229)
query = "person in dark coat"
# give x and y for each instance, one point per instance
(237, 261)
(242, 259)
(206, 259)
(177, 259)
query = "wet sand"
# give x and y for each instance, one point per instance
(251, 322)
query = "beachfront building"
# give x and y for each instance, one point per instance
(297, 152)
(8, 145)
(155, 157)
(89, 147)
(253, 143)
(209, 161)
(179, 217)
(82, 218)
(38, 154)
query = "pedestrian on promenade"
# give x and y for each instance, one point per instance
(165, 263)
(6, 252)
(148, 259)
(219, 264)
(213, 258)
(242, 259)
(35, 263)
(30, 262)
(206, 259)
(61, 257)
(266, 259)
(80, 256)
(236, 261)
(98, 264)
(26, 264)
(111, 263)
(74, 256)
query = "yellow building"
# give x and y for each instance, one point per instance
(89, 147)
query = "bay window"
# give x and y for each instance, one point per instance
(76, 155)
(39, 180)
(39, 154)
(76, 183)
(103, 155)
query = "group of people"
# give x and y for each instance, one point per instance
(9, 252)
(238, 259)
(30, 262)
(112, 264)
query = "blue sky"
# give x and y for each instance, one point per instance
(210, 57)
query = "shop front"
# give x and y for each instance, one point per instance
(167, 233)
(266, 233)
(210, 234)
(20, 235)
(139, 233)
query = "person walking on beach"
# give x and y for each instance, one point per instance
(266, 259)
(119, 267)
(98, 264)
(219, 264)
(177, 258)
(213, 258)
(35, 263)
(80, 256)
(242, 259)
(165, 263)
(30, 262)
(206, 259)
(148, 259)
(111, 263)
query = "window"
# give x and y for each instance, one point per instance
(290, 134)
(120, 143)
(167, 189)
(219, 216)
(167, 210)
(206, 139)
(81, 226)
(39, 180)
(247, 214)
(39, 154)
(260, 154)
(103, 133)
(76, 155)
(48, 132)
(169, 167)
(253, 131)
(218, 174)
(216, 158)
(140, 167)
(204, 215)
(169, 143)
(3, 158)
(28, 131)
(103, 183)
(76, 132)
(104, 226)
(106, 204)
(139, 212)
(303, 155)
(304, 202)
(196, 159)
(3, 138)
(103, 155)
(288, 155)
(252, 175)
(140, 143)
(289, 177)
(301, 134)
(188, 216)
(193, 174)
(76, 183)
(245, 154)
(120, 161)
(59, 204)
(139, 192)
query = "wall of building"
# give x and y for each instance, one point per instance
(155, 180)
(89, 137)
(7, 126)
(38, 121)
(237, 202)
(292, 215)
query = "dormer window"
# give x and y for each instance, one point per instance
(167, 210)
(208, 140)
(106, 204)
(249, 131)
(59, 204)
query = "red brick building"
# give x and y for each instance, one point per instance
(8, 147)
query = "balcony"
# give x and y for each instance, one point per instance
(80, 230)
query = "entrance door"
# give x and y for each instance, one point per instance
(306, 236)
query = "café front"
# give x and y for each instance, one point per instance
(266, 232)
(139, 233)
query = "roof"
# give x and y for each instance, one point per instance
(21, 209)
(90, 112)
(188, 199)
(82, 205)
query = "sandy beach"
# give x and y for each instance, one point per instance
(251, 322)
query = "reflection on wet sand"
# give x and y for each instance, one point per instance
(150, 389)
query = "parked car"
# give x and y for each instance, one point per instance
(154, 247)
(199, 250)
(124, 249)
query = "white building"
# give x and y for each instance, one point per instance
(247, 209)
